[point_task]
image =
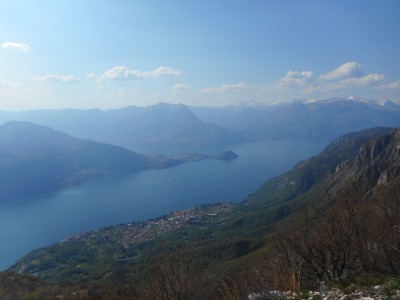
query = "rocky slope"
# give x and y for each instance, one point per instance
(377, 163)
(307, 173)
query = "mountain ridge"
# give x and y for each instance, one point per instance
(36, 159)
(304, 119)
(159, 128)
(307, 173)
(169, 128)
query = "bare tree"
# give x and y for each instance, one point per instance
(172, 273)
(387, 228)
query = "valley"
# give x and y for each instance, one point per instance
(199, 150)
(97, 185)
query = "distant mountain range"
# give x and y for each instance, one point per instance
(303, 120)
(160, 128)
(36, 159)
(176, 128)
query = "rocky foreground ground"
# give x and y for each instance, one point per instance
(386, 291)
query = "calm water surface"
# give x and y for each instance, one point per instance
(138, 196)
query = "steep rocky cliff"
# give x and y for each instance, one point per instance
(377, 163)
(338, 155)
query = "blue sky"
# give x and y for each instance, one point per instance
(115, 53)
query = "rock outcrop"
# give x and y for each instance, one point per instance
(377, 163)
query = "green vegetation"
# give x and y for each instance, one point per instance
(22, 287)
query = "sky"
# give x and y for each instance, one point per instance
(115, 53)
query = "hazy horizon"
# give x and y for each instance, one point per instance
(242, 103)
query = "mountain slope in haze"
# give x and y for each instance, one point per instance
(156, 128)
(304, 120)
(36, 159)
(169, 125)
(170, 128)
(235, 242)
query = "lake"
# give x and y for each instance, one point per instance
(138, 196)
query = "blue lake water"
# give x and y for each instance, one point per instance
(124, 198)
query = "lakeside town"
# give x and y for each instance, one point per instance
(138, 232)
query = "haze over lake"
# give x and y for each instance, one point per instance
(142, 195)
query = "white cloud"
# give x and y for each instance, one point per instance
(370, 79)
(16, 46)
(91, 75)
(349, 81)
(125, 73)
(295, 78)
(392, 85)
(121, 73)
(180, 87)
(58, 78)
(349, 69)
(348, 75)
(226, 88)
(5, 84)
(162, 71)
